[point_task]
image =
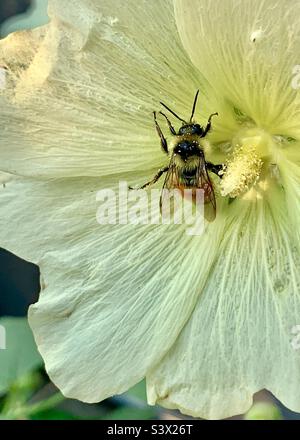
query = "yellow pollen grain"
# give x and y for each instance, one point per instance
(243, 170)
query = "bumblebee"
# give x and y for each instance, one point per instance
(187, 168)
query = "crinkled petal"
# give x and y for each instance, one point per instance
(114, 297)
(244, 334)
(81, 92)
(249, 51)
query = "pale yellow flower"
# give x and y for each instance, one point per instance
(208, 320)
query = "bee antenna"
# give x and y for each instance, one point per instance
(173, 113)
(194, 105)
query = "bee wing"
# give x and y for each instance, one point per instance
(204, 182)
(171, 181)
(172, 177)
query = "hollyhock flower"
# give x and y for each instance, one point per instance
(208, 320)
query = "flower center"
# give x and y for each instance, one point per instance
(250, 164)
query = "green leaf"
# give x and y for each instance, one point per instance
(263, 411)
(131, 414)
(53, 414)
(20, 355)
(138, 391)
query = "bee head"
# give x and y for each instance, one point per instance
(191, 129)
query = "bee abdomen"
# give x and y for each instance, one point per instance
(188, 177)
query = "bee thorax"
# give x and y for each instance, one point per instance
(187, 152)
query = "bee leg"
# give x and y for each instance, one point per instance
(163, 140)
(172, 129)
(208, 126)
(216, 169)
(155, 178)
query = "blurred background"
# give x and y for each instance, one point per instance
(25, 389)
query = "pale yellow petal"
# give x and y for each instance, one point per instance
(243, 335)
(114, 298)
(249, 51)
(79, 101)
